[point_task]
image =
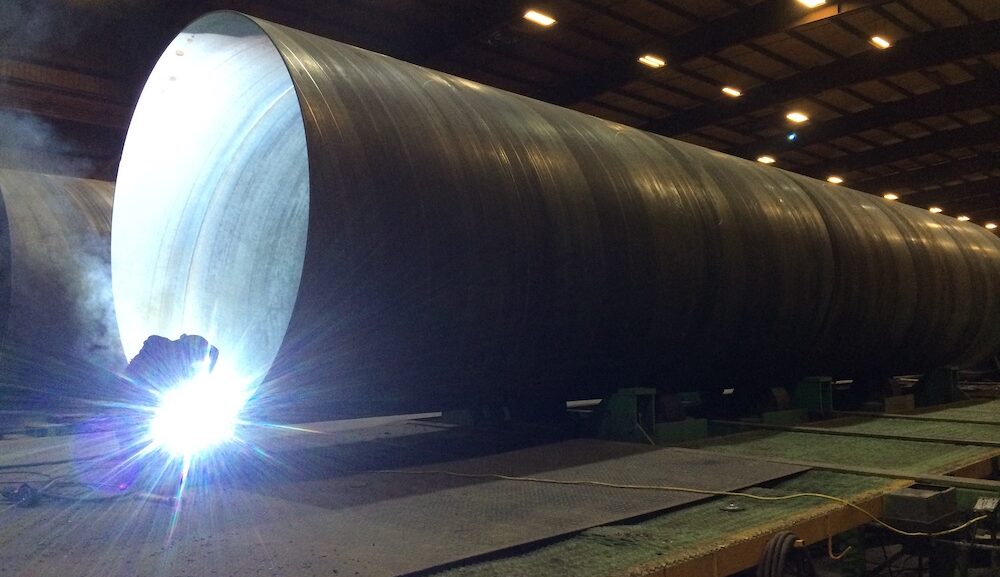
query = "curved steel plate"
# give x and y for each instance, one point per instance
(417, 241)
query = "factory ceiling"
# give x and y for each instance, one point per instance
(900, 96)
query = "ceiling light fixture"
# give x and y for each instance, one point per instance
(890, 196)
(812, 3)
(834, 179)
(652, 61)
(766, 159)
(880, 43)
(539, 18)
(991, 225)
(962, 218)
(730, 91)
(796, 117)
(935, 209)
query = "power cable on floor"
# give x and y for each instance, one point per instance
(7, 468)
(791, 496)
(25, 493)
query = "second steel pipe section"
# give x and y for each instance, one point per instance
(59, 344)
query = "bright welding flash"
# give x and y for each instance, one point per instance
(198, 415)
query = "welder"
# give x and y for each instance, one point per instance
(161, 365)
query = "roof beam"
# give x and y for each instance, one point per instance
(757, 21)
(928, 176)
(977, 134)
(928, 49)
(468, 21)
(918, 14)
(974, 208)
(956, 98)
(963, 196)
(971, 205)
(986, 212)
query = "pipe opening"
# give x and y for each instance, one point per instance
(211, 210)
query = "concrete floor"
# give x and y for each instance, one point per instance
(300, 503)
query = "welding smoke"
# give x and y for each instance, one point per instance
(28, 141)
(39, 45)
(31, 143)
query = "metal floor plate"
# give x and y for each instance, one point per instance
(309, 510)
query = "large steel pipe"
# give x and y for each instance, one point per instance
(375, 236)
(60, 347)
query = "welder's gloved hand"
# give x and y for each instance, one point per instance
(200, 354)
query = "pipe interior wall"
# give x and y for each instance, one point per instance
(211, 236)
(369, 236)
(60, 347)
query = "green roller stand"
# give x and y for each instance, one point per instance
(814, 394)
(937, 387)
(628, 415)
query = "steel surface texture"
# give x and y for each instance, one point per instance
(374, 237)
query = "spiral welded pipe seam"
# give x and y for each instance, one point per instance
(466, 244)
(60, 347)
